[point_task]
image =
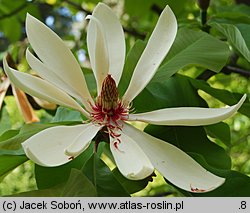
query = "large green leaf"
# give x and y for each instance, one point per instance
(8, 146)
(244, 30)
(77, 185)
(223, 95)
(236, 185)
(233, 13)
(103, 179)
(66, 114)
(221, 131)
(10, 162)
(174, 92)
(193, 48)
(131, 60)
(131, 186)
(12, 28)
(47, 177)
(193, 140)
(52, 192)
(11, 140)
(132, 6)
(5, 123)
(234, 36)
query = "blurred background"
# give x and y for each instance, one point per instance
(138, 17)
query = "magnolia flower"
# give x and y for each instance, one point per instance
(136, 153)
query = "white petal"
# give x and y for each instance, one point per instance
(115, 40)
(47, 148)
(188, 116)
(157, 48)
(46, 73)
(40, 88)
(98, 52)
(174, 164)
(130, 159)
(56, 55)
(78, 146)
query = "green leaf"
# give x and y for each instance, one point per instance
(131, 60)
(193, 48)
(66, 114)
(10, 142)
(77, 185)
(193, 140)
(10, 162)
(244, 30)
(52, 192)
(8, 134)
(131, 186)
(5, 123)
(103, 179)
(236, 185)
(14, 143)
(91, 82)
(233, 13)
(47, 177)
(11, 28)
(221, 131)
(174, 92)
(131, 7)
(223, 95)
(234, 36)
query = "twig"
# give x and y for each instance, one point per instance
(133, 32)
(226, 70)
(230, 69)
(206, 75)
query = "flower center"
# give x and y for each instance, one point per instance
(108, 109)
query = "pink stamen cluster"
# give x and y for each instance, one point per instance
(111, 118)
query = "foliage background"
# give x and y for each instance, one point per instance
(210, 61)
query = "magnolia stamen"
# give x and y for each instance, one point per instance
(116, 143)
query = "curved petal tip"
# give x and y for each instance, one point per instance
(144, 172)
